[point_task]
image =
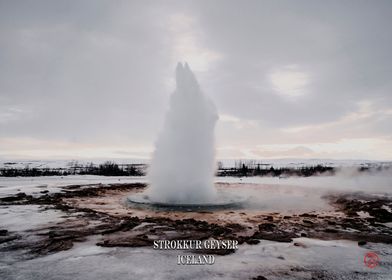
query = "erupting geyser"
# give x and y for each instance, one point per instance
(183, 164)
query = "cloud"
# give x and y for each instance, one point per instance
(289, 82)
(299, 74)
(11, 114)
(186, 43)
(296, 152)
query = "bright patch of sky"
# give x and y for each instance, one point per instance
(289, 81)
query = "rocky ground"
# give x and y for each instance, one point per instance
(100, 210)
(357, 217)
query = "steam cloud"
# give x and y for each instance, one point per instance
(183, 165)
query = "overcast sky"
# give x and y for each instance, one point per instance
(298, 79)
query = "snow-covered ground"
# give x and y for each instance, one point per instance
(273, 193)
(273, 260)
(340, 259)
(347, 180)
(18, 218)
(34, 185)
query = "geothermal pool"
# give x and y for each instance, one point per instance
(222, 200)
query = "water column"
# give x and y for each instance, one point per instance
(183, 165)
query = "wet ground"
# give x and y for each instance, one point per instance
(93, 222)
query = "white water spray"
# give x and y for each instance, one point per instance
(183, 164)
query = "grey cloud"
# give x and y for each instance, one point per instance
(87, 69)
(343, 46)
(98, 71)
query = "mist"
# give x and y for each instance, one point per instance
(301, 194)
(183, 165)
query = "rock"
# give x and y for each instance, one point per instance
(21, 194)
(235, 226)
(52, 246)
(280, 236)
(218, 231)
(361, 243)
(15, 198)
(341, 200)
(308, 215)
(381, 215)
(300, 244)
(138, 241)
(252, 241)
(219, 252)
(267, 227)
(4, 239)
(307, 223)
(259, 278)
